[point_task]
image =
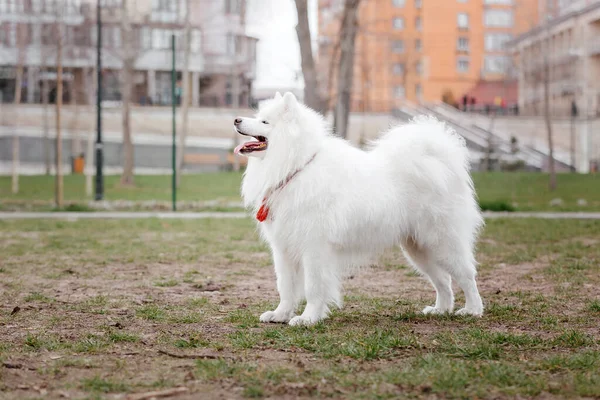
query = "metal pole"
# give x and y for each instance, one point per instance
(99, 155)
(173, 99)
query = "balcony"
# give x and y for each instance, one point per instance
(594, 46)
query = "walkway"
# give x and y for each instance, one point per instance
(73, 216)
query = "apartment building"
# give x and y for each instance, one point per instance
(425, 50)
(568, 45)
(221, 63)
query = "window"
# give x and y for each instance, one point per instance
(418, 45)
(146, 34)
(36, 6)
(419, 23)
(73, 6)
(8, 34)
(399, 91)
(398, 3)
(398, 23)
(12, 6)
(233, 44)
(231, 6)
(397, 46)
(463, 20)
(398, 69)
(462, 1)
(462, 44)
(418, 4)
(496, 41)
(495, 64)
(161, 39)
(109, 3)
(419, 67)
(164, 10)
(419, 91)
(117, 37)
(195, 40)
(499, 18)
(462, 64)
(509, 2)
(49, 6)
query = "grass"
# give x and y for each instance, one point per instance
(98, 329)
(518, 191)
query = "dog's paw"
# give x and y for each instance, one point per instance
(433, 310)
(276, 316)
(302, 320)
(467, 311)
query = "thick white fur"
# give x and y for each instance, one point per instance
(412, 188)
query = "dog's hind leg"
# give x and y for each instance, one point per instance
(290, 285)
(460, 264)
(438, 276)
(321, 286)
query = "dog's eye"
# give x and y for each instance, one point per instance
(265, 122)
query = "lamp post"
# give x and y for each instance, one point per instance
(99, 146)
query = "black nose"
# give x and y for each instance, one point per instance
(237, 121)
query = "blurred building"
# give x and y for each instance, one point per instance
(221, 63)
(568, 45)
(425, 50)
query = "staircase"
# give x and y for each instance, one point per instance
(475, 129)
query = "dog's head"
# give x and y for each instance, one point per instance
(279, 124)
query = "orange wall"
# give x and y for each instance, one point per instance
(374, 82)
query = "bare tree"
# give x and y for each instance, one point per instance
(45, 102)
(547, 118)
(312, 92)
(186, 91)
(345, 79)
(546, 76)
(21, 53)
(59, 94)
(128, 58)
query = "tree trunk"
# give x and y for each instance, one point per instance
(346, 68)
(46, 127)
(547, 118)
(18, 81)
(127, 177)
(17, 100)
(15, 163)
(235, 89)
(126, 89)
(573, 167)
(185, 93)
(490, 143)
(312, 94)
(59, 95)
(333, 61)
(76, 138)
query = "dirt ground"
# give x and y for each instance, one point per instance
(121, 309)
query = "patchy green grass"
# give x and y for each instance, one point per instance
(99, 385)
(526, 191)
(521, 191)
(104, 303)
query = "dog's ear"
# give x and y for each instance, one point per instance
(289, 100)
(278, 96)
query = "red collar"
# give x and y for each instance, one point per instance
(263, 211)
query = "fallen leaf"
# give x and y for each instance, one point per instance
(15, 310)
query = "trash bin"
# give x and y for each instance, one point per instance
(78, 164)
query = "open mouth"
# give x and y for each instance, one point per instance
(258, 144)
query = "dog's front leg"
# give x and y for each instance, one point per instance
(289, 285)
(321, 286)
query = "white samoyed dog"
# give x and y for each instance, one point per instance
(326, 207)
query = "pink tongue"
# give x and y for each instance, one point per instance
(237, 149)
